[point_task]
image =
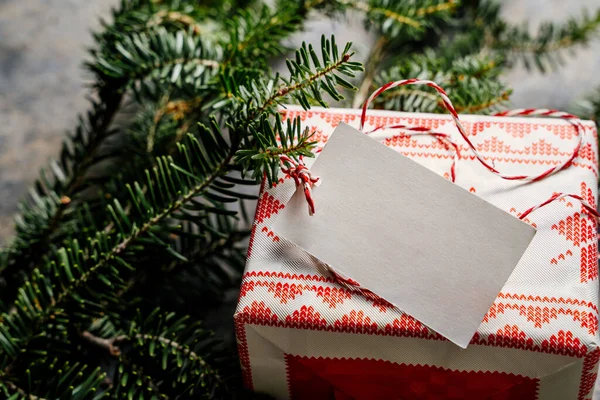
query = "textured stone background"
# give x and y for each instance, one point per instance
(42, 84)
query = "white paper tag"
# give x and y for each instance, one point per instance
(424, 244)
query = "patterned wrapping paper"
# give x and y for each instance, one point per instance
(302, 335)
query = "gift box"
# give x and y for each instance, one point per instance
(304, 334)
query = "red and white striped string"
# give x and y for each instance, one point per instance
(302, 176)
(443, 138)
(521, 112)
(558, 196)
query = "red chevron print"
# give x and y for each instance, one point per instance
(589, 375)
(408, 326)
(576, 228)
(520, 129)
(518, 214)
(382, 304)
(267, 206)
(356, 322)
(318, 135)
(369, 379)
(565, 340)
(258, 312)
(332, 296)
(289, 291)
(545, 299)
(240, 334)
(333, 119)
(588, 153)
(510, 336)
(540, 315)
(589, 263)
(285, 291)
(411, 142)
(247, 286)
(431, 123)
(270, 234)
(520, 132)
(304, 318)
(287, 275)
(539, 148)
(587, 193)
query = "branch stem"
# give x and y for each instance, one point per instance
(373, 61)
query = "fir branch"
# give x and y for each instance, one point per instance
(41, 221)
(309, 75)
(15, 390)
(386, 12)
(163, 16)
(38, 310)
(436, 8)
(172, 346)
(257, 35)
(473, 83)
(589, 108)
(135, 16)
(161, 55)
(543, 49)
(61, 380)
(131, 381)
(402, 20)
(286, 90)
(216, 247)
(501, 99)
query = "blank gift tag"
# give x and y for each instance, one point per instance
(434, 250)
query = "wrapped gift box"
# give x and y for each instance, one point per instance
(302, 334)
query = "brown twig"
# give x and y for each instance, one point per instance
(106, 344)
(374, 60)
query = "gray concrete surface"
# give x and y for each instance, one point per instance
(42, 45)
(42, 86)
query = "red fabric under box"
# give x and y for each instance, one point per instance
(302, 335)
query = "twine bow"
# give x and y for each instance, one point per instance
(302, 176)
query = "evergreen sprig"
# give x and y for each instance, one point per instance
(408, 19)
(182, 352)
(542, 50)
(50, 379)
(256, 35)
(472, 82)
(47, 216)
(160, 55)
